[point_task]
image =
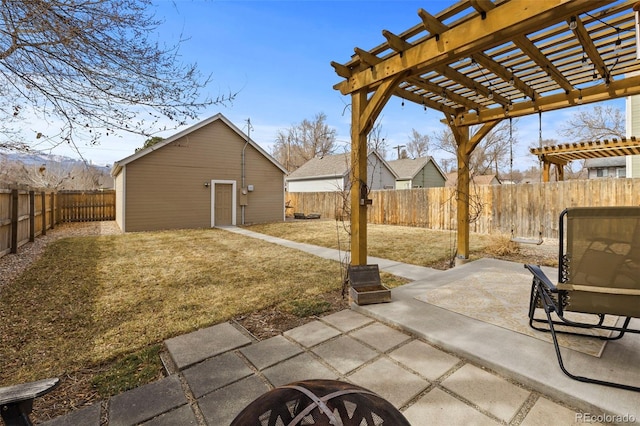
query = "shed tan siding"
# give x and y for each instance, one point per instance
(165, 189)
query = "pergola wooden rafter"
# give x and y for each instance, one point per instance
(561, 155)
(481, 61)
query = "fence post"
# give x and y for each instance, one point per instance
(54, 210)
(32, 216)
(14, 221)
(44, 212)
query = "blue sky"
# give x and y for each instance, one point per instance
(277, 55)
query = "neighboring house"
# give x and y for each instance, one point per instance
(208, 175)
(452, 180)
(420, 172)
(615, 167)
(331, 173)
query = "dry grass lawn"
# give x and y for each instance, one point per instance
(95, 310)
(418, 246)
(92, 300)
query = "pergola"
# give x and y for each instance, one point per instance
(480, 62)
(561, 155)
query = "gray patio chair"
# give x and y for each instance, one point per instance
(598, 273)
(16, 402)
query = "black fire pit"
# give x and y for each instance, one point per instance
(320, 402)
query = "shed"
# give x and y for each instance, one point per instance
(210, 174)
(330, 173)
(421, 172)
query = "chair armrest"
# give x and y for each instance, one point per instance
(26, 391)
(542, 277)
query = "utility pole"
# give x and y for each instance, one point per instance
(398, 148)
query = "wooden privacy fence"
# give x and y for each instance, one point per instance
(524, 210)
(86, 206)
(25, 214)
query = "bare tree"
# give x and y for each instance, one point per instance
(93, 68)
(52, 175)
(375, 140)
(601, 122)
(491, 155)
(418, 145)
(302, 142)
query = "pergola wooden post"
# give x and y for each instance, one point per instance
(358, 180)
(466, 144)
(481, 61)
(364, 111)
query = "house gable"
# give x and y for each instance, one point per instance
(420, 172)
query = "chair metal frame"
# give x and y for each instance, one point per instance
(556, 299)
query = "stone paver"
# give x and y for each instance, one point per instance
(271, 351)
(222, 406)
(390, 381)
(488, 391)
(424, 359)
(545, 412)
(215, 373)
(199, 345)
(88, 416)
(146, 402)
(183, 416)
(347, 320)
(312, 333)
(380, 336)
(301, 367)
(440, 408)
(424, 381)
(344, 353)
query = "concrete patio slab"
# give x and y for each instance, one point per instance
(441, 408)
(545, 412)
(344, 353)
(301, 367)
(199, 345)
(392, 382)
(347, 320)
(271, 351)
(222, 406)
(424, 359)
(148, 401)
(215, 373)
(488, 391)
(89, 416)
(312, 333)
(180, 416)
(380, 336)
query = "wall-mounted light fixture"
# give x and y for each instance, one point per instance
(206, 184)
